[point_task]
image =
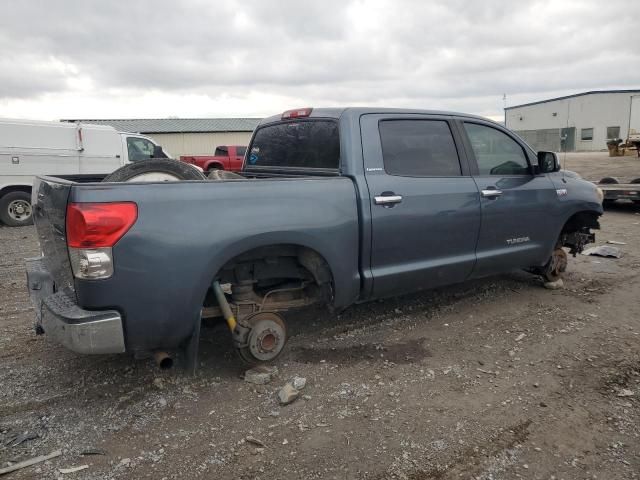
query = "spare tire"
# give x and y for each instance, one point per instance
(217, 174)
(155, 170)
(609, 181)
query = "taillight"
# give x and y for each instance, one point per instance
(92, 225)
(92, 229)
(297, 113)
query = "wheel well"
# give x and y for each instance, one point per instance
(576, 232)
(300, 274)
(214, 165)
(277, 261)
(581, 220)
(15, 188)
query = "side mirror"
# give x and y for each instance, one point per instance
(158, 152)
(548, 162)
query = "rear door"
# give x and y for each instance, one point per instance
(518, 206)
(425, 209)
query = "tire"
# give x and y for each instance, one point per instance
(222, 175)
(15, 209)
(155, 170)
(635, 180)
(609, 181)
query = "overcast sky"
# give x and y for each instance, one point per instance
(200, 58)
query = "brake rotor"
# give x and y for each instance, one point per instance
(266, 338)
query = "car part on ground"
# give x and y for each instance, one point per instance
(556, 267)
(155, 170)
(15, 209)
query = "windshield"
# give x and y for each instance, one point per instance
(296, 144)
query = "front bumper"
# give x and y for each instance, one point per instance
(80, 330)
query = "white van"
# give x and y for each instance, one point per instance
(68, 150)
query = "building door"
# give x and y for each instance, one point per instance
(568, 139)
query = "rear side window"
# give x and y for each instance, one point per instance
(496, 152)
(419, 148)
(241, 151)
(297, 144)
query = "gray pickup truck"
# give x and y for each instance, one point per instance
(334, 206)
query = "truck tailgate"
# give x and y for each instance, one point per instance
(50, 197)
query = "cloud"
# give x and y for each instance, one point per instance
(96, 59)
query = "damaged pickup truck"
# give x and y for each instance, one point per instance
(333, 206)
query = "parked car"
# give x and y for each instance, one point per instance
(225, 157)
(334, 206)
(65, 150)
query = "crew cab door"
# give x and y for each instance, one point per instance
(425, 208)
(518, 206)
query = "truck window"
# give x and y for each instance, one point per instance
(298, 144)
(221, 152)
(496, 152)
(139, 149)
(241, 151)
(419, 148)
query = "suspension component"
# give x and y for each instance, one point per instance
(257, 337)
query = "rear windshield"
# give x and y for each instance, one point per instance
(296, 144)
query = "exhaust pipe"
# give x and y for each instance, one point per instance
(163, 360)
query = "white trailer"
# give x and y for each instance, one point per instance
(79, 152)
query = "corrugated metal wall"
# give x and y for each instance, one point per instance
(544, 139)
(198, 143)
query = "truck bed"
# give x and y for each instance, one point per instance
(186, 231)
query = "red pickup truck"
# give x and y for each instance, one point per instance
(226, 157)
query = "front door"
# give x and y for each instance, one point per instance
(518, 225)
(425, 208)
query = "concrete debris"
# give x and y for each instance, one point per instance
(260, 375)
(73, 469)
(288, 394)
(255, 441)
(520, 337)
(616, 242)
(625, 392)
(299, 382)
(554, 285)
(31, 461)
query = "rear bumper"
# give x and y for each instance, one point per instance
(83, 331)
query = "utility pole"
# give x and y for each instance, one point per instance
(504, 103)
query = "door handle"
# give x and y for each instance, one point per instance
(491, 192)
(387, 199)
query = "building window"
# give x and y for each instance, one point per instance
(613, 132)
(586, 134)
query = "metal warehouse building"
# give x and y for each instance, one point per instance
(187, 136)
(580, 122)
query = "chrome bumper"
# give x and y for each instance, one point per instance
(80, 330)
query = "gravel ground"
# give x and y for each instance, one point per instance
(492, 379)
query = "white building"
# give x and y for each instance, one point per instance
(580, 122)
(187, 136)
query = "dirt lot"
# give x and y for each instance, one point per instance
(494, 379)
